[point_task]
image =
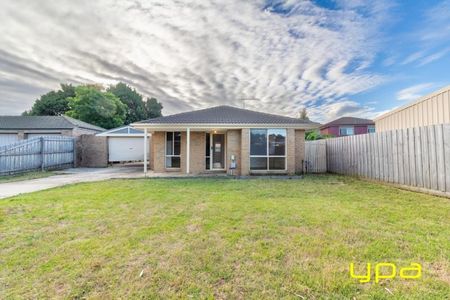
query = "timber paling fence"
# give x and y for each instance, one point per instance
(417, 157)
(40, 153)
(315, 156)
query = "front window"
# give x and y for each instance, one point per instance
(173, 146)
(346, 131)
(370, 129)
(268, 149)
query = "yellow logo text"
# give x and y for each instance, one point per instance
(386, 270)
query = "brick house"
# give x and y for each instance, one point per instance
(225, 139)
(348, 126)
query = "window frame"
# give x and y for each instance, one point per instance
(173, 148)
(371, 127)
(268, 156)
(346, 130)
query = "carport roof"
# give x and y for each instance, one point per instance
(122, 131)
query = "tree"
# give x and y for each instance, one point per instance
(153, 108)
(91, 105)
(303, 114)
(316, 135)
(54, 103)
(133, 100)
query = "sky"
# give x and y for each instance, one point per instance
(336, 58)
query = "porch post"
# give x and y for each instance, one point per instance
(145, 151)
(188, 149)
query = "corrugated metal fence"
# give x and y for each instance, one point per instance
(418, 157)
(40, 153)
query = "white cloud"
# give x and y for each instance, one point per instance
(433, 35)
(437, 20)
(435, 56)
(194, 54)
(413, 57)
(414, 92)
(342, 108)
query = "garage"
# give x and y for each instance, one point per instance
(34, 135)
(124, 144)
(8, 138)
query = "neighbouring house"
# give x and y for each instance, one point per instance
(226, 139)
(14, 128)
(432, 109)
(124, 144)
(348, 126)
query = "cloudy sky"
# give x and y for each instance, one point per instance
(336, 58)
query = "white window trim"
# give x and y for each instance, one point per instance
(267, 156)
(346, 128)
(173, 147)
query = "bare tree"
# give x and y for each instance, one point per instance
(303, 115)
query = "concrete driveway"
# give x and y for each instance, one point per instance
(68, 176)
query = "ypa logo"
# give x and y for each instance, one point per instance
(387, 270)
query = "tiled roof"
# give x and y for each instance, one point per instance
(348, 121)
(226, 115)
(44, 122)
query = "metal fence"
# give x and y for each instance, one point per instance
(40, 153)
(417, 157)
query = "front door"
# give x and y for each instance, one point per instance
(215, 151)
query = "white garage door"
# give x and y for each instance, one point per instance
(125, 148)
(8, 138)
(33, 135)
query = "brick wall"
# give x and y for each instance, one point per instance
(237, 143)
(198, 146)
(245, 152)
(233, 145)
(157, 154)
(91, 151)
(291, 149)
(299, 150)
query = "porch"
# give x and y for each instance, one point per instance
(194, 151)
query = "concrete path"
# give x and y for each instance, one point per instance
(68, 176)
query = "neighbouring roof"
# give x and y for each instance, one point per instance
(122, 131)
(226, 115)
(348, 121)
(44, 122)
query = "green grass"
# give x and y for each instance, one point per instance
(221, 238)
(25, 176)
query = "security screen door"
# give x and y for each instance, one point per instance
(218, 151)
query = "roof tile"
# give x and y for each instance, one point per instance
(226, 115)
(44, 122)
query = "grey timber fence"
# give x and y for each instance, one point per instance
(315, 156)
(39, 153)
(417, 157)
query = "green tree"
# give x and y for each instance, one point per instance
(153, 108)
(133, 100)
(316, 135)
(54, 103)
(91, 105)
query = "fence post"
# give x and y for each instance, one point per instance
(74, 145)
(42, 153)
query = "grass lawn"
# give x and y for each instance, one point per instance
(25, 176)
(222, 238)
